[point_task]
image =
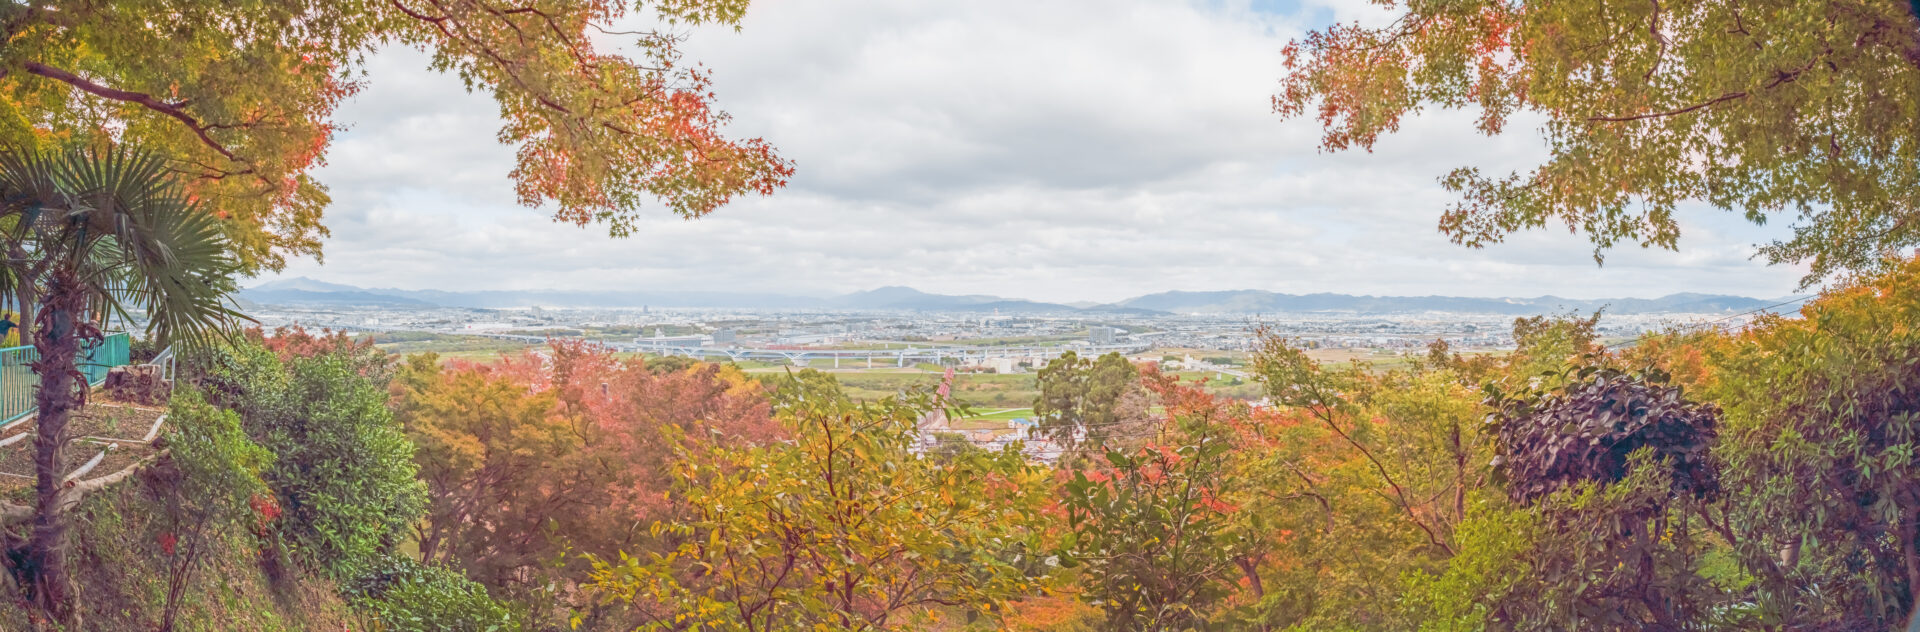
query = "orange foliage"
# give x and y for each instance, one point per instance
(566, 448)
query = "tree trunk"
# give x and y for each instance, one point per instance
(58, 397)
(1910, 559)
(29, 299)
(27, 295)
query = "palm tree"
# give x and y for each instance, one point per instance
(88, 233)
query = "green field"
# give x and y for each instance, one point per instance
(1002, 414)
(981, 391)
(986, 392)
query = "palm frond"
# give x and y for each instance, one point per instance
(122, 222)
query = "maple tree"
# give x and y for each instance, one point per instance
(1772, 109)
(531, 456)
(1153, 535)
(242, 100)
(844, 528)
(1362, 477)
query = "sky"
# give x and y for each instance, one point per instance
(1056, 150)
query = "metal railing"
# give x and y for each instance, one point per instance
(18, 382)
(165, 361)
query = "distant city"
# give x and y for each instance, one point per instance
(901, 327)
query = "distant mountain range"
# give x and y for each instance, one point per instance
(1256, 301)
(304, 291)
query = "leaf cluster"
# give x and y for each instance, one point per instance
(1585, 430)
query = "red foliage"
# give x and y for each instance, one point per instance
(630, 414)
(297, 342)
(266, 509)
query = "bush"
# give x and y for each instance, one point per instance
(399, 594)
(215, 473)
(345, 471)
(141, 350)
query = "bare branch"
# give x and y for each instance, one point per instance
(75, 492)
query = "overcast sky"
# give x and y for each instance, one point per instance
(1059, 150)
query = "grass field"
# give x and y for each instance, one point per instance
(1004, 414)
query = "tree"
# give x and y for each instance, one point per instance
(1157, 544)
(1617, 462)
(241, 100)
(1821, 424)
(103, 231)
(1333, 400)
(531, 457)
(1766, 108)
(1361, 477)
(1090, 400)
(216, 476)
(844, 528)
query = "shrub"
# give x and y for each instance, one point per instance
(399, 594)
(344, 472)
(1585, 430)
(215, 473)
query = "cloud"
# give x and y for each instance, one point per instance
(1058, 150)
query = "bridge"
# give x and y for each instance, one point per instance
(896, 357)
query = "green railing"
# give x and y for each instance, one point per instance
(18, 381)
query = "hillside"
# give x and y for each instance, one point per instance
(120, 564)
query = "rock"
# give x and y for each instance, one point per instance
(138, 383)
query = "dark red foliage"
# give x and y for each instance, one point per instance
(1585, 431)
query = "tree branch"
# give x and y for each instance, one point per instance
(1780, 77)
(173, 109)
(71, 496)
(1704, 104)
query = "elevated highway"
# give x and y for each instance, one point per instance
(872, 357)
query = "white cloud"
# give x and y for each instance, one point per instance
(1054, 149)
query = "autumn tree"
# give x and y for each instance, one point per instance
(1153, 531)
(1364, 476)
(844, 528)
(1821, 422)
(1777, 110)
(1090, 400)
(1334, 400)
(531, 457)
(241, 99)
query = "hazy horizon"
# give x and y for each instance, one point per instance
(281, 282)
